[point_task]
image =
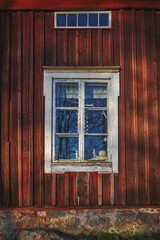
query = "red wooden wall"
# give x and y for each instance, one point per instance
(28, 42)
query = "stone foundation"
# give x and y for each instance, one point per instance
(49, 224)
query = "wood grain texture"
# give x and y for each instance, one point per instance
(73, 48)
(61, 47)
(152, 107)
(107, 52)
(38, 110)
(48, 189)
(62, 189)
(84, 47)
(106, 183)
(143, 146)
(50, 40)
(14, 108)
(131, 109)
(82, 189)
(158, 88)
(96, 47)
(72, 189)
(5, 86)
(119, 180)
(28, 41)
(93, 189)
(27, 106)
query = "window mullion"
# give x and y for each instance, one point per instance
(53, 121)
(81, 120)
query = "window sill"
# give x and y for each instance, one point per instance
(62, 167)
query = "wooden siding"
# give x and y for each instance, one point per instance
(28, 42)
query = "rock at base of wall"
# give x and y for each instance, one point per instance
(50, 224)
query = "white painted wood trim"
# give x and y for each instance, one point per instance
(114, 92)
(83, 12)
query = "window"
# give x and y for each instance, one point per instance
(81, 119)
(96, 19)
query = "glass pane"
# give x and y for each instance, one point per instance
(72, 20)
(93, 19)
(95, 121)
(103, 19)
(96, 95)
(66, 148)
(95, 148)
(66, 94)
(61, 20)
(82, 20)
(66, 121)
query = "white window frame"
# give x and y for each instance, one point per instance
(101, 74)
(83, 12)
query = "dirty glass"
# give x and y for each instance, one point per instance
(103, 19)
(66, 94)
(66, 121)
(66, 148)
(95, 146)
(82, 20)
(61, 20)
(66, 104)
(72, 20)
(93, 19)
(95, 121)
(96, 95)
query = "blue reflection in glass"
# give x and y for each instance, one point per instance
(66, 94)
(95, 121)
(93, 19)
(96, 95)
(61, 20)
(66, 121)
(93, 145)
(66, 147)
(72, 20)
(103, 19)
(82, 20)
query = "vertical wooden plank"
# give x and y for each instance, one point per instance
(38, 106)
(106, 189)
(14, 109)
(48, 189)
(93, 189)
(119, 188)
(84, 47)
(143, 147)
(72, 189)
(107, 52)
(73, 51)
(116, 36)
(5, 86)
(31, 106)
(96, 47)
(99, 189)
(152, 107)
(0, 102)
(50, 40)
(62, 189)
(158, 85)
(53, 189)
(82, 189)
(27, 104)
(19, 94)
(131, 109)
(61, 47)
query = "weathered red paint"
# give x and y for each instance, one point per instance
(79, 4)
(132, 43)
